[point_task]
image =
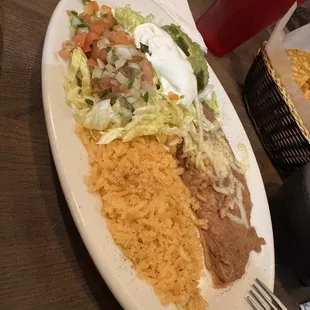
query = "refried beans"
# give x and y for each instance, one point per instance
(227, 244)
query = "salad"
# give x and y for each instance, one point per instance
(128, 77)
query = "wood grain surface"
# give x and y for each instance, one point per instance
(43, 262)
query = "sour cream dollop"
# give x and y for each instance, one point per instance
(176, 72)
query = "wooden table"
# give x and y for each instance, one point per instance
(43, 262)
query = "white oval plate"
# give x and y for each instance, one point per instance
(71, 163)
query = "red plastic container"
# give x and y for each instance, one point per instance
(229, 23)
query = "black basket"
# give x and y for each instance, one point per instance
(285, 138)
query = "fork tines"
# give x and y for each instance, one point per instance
(261, 298)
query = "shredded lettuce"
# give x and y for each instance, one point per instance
(212, 103)
(98, 117)
(78, 74)
(123, 112)
(75, 22)
(159, 117)
(74, 96)
(130, 19)
(111, 135)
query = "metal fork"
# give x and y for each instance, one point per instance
(261, 298)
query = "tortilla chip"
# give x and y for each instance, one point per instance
(304, 88)
(307, 94)
(300, 61)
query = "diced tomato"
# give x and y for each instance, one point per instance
(105, 9)
(147, 71)
(79, 39)
(94, 52)
(90, 38)
(123, 89)
(115, 89)
(92, 63)
(103, 55)
(87, 54)
(64, 53)
(107, 15)
(173, 96)
(86, 18)
(119, 89)
(120, 37)
(126, 70)
(105, 83)
(100, 85)
(91, 7)
(98, 53)
(98, 26)
(107, 34)
(108, 18)
(115, 86)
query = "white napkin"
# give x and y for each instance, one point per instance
(277, 43)
(183, 17)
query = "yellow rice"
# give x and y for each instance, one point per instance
(148, 212)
